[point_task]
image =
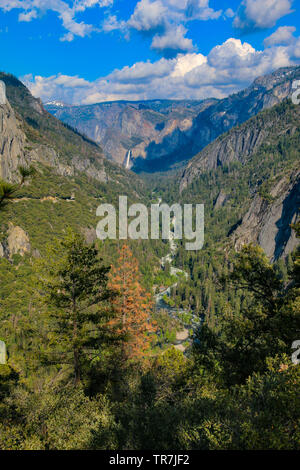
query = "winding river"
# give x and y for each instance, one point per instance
(183, 335)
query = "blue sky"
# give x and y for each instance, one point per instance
(87, 51)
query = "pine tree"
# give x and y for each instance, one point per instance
(132, 307)
(8, 190)
(74, 286)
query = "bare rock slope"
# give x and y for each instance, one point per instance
(269, 224)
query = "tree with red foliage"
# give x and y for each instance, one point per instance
(132, 307)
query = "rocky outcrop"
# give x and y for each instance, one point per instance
(221, 200)
(242, 142)
(84, 166)
(17, 241)
(12, 143)
(29, 134)
(15, 151)
(89, 234)
(269, 223)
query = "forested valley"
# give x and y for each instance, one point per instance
(92, 363)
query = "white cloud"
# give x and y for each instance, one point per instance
(82, 5)
(283, 36)
(229, 13)
(106, 3)
(111, 23)
(68, 37)
(235, 65)
(184, 63)
(231, 53)
(228, 68)
(261, 14)
(28, 16)
(199, 9)
(165, 21)
(148, 15)
(172, 41)
(143, 72)
(66, 12)
(295, 50)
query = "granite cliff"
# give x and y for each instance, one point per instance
(147, 128)
(268, 224)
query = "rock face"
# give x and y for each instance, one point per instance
(221, 200)
(17, 241)
(149, 129)
(268, 224)
(12, 142)
(28, 135)
(242, 142)
(15, 152)
(89, 234)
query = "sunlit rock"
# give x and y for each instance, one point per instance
(2, 93)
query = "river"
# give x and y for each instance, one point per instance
(183, 335)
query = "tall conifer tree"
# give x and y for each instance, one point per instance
(132, 307)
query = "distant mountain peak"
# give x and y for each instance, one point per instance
(57, 103)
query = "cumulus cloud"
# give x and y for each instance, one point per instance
(228, 68)
(148, 15)
(151, 14)
(283, 35)
(234, 65)
(184, 63)
(258, 14)
(66, 13)
(231, 54)
(172, 42)
(143, 72)
(295, 50)
(166, 20)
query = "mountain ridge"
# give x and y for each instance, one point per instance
(253, 171)
(183, 132)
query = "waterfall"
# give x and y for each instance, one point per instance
(127, 159)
